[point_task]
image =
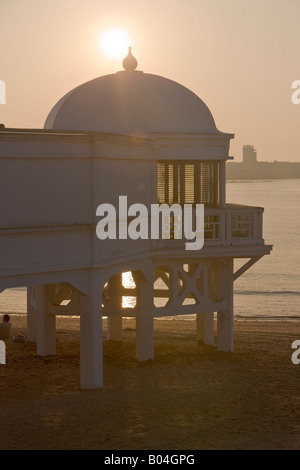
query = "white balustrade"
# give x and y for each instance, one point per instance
(231, 225)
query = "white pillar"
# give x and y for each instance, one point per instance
(114, 328)
(225, 331)
(46, 323)
(144, 318)
(225, 318)
(205, 328)
(114, 324)
(31, 315)
(91, 354)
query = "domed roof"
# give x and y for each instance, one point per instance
(130, 102)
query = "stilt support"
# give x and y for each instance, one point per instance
(114, 328)
(144, 319)
(91, 354)
(225, 318)
(205, 328)
(225, 331)
(31, 314)
(46, 324)
(114, 324)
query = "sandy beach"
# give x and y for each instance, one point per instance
(189, 397)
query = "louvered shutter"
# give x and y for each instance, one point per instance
(188, 183)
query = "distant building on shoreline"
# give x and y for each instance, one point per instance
(252, 169)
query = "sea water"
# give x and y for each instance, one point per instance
(271, 287)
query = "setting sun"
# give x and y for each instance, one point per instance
(114, 43)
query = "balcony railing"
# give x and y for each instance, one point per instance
(232, 225)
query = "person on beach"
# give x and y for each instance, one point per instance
(5, 327)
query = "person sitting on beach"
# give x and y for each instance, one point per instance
(5, 327)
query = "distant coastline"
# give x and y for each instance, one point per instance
(262, 170)
(252, 169)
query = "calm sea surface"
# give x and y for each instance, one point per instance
(271, 288)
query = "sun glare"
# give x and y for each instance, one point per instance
(114, 43)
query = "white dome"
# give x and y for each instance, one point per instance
(131, 101)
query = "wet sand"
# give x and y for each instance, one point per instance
(190, 397)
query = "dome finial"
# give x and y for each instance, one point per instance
(130, 62)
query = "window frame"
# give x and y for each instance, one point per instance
(172, 180)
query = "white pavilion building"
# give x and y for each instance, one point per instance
(154, 141)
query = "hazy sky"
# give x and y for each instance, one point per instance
(239, 56)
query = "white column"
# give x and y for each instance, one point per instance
(144, 319)
(114, 324)
(46, 323)
(205, 328)
(225, 331)
(31, 315)
(114, 328)
(225, 318)
(91, 354)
